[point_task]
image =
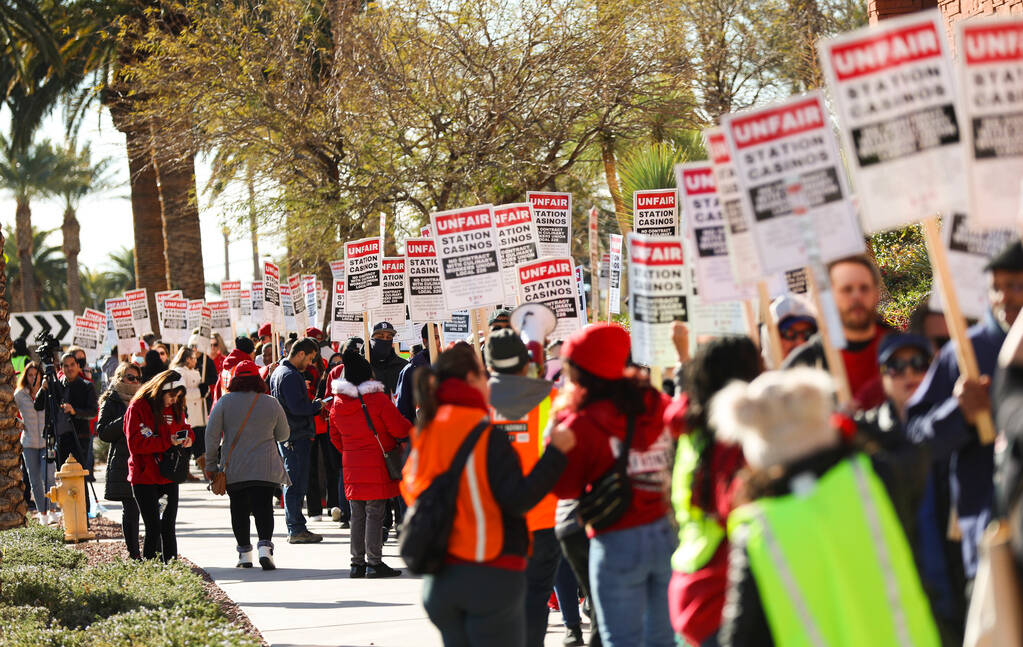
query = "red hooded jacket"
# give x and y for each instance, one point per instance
(362, 459)
(148, 440)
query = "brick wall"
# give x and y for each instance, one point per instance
(953, 9)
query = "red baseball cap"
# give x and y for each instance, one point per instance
(601, 349)
(264, 330)
(312, 331)
(244, 367)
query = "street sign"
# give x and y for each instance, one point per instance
(29, 324)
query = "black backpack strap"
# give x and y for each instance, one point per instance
(458, 464)
(630, 431)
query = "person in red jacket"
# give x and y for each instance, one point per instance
(367, 485)
(154, 422)
(629, 561)
(240, 354)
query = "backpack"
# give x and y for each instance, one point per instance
(426, 529)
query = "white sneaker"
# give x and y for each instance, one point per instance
(52, 517)
(244, 559)
(40, 517)
(266, 558)
(335, 514)
(318, 517)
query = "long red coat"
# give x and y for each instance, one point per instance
(362, 460)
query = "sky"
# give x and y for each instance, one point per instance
(106, 219)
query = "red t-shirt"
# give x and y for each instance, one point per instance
(864, 372)
(599, 431)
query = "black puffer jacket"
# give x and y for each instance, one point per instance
(110, 428)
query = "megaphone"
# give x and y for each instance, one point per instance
(534, 322)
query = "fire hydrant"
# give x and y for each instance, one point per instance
(70, 496)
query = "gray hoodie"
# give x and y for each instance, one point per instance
(514, 396)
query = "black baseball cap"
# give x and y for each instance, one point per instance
(385, 326)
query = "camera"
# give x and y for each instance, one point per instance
(47, 348)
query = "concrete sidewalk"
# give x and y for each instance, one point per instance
(309, 600)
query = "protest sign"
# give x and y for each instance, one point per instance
(232, 291)
(795, 280)
(272, 312)
(343, 325)
(220, 317)
(468, 256)
(457, 328)
(258, 313)
(425, 231)
(742, 248)
(160, 297)
(614, 283)
(655, 213)
(138, 302)
(426, 299)
(551, 281)
(124, 325)
(552, 214)
(771, 145)
(393, 310)
(362, 275)
(245, 310)
(287, 308)
(312, 305)
(101, 319)
(705, 225)
(594, 264)
(298, 304)
(337, 270)
(202, 344)
(659, 288)
(580, 285)
(174, 323)
(894, 95)
(194, 317)
(86, 335)
(969, 249)
(605, 271)
(990, 65)
(715, 319)
(516, 238)
(109, 305)
(206, 328)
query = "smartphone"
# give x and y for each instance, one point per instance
(327, 400)
(181, 434)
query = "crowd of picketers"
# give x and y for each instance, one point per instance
(733, 504)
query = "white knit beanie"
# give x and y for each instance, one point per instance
(779, 417)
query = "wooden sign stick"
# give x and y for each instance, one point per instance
(431, 341)
(965, 355)
(365, 330)
(474, 331)
(773, 336)
(751, 322)
(836, 366)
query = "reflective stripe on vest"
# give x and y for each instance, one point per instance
(832, 565)
(477, 534)
(698, 535)
(527, 438)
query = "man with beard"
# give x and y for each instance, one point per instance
(944, 411)
(856, 286)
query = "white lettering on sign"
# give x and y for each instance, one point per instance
(537, 272)
(885, 51)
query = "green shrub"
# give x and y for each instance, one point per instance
(26, 626)
(165, 628)
(39, 546)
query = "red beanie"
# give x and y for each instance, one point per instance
(601, 349)
(264, 330)
(312, 331)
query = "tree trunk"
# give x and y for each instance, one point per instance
(23, 234)
(257, 270)
(72, 246)
(607, 153)
(147, 216)
(182, 238)
(12, 497)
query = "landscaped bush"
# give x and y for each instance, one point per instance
(50, 596)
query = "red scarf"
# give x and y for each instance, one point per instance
(460, 393)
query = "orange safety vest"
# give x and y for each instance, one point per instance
(526, 436)
(477, 534)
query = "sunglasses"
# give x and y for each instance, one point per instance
(134, 379)
(793, 335)
(896, 367)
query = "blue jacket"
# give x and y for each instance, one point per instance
(288, 386)
(934, 415)
(406, 402)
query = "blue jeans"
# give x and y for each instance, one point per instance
(629, 574)
(40, 476)
(567, 590)
(296, 455)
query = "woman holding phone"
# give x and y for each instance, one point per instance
(154, 422)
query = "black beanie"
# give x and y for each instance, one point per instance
(506, 352)
(357, 368)
(245, 345)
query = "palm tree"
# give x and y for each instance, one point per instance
(47, 269)
(652, 166)
(28, 174)
(79, 178)
(123, 274)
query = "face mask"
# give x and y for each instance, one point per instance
(380, 349)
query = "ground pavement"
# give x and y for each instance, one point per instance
(309, 600)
